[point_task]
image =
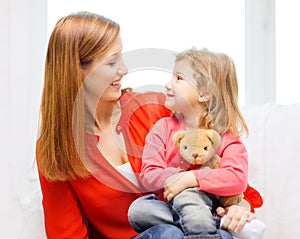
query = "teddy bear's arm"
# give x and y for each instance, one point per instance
(227, 201)
(214, 162)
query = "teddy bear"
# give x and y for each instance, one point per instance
(197, 146)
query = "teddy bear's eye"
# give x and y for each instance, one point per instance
(185, 147)
(205, 148)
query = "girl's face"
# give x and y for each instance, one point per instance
(104, 80)
(181, 91)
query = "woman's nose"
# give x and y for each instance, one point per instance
(123, 70)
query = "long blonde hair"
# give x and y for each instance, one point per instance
(216, 75)
(75, 42)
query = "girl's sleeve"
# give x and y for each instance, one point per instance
(253, 197)
(232, 176)
(155, 170)
(62, 214)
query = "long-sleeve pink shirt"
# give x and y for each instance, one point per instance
(161, 159)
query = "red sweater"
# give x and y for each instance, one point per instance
(103, 198)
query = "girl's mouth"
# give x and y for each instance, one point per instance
(170, 95)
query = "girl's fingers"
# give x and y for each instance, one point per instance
(221, 211)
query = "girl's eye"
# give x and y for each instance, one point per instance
(179, 78)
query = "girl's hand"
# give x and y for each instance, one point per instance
(236, 217)
(177, 183)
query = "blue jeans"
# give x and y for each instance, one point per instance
(190, 210)
(162, 231)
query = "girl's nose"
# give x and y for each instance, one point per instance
(168, 85)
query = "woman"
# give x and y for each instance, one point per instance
(92, 135)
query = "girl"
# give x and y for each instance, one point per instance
(203, 93)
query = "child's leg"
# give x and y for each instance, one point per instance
(161, 231)
(252, 230)
(148, 211)
(192, 212)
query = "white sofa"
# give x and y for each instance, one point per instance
(274, 163)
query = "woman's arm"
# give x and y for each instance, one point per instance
(62, 215)
(236, 216)
(253, 198)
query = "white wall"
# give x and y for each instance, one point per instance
(260, 82)
(170, 25)
(287, 51)
(22, 44)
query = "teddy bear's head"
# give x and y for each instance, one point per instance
(197, 146)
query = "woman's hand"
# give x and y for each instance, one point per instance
(236, 216)
(179, 182)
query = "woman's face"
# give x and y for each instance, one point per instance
(181, 91)
(104, 80)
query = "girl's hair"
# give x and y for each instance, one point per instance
(75, 42)
(216, 78)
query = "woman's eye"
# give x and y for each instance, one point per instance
(112, 63)
(179, 78)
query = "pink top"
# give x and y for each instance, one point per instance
(161, 159)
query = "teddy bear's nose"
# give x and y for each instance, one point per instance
(195, 155)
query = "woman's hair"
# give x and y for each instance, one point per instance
(216, 78)
(75, 42)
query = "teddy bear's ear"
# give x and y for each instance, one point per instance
(177, 137)
(214, 137)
